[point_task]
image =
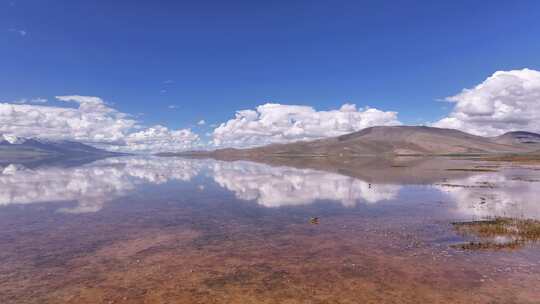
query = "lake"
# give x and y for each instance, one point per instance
(179, 230)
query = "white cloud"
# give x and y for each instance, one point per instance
(160, 138)
(201, 122)
(81, 99)
(19, 31)
(273, 123)
(505, 101)
(92, 122)
(11, 139)
(33, 100)
(172, 107)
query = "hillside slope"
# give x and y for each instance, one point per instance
(520, 138)
(18, 149)
(394, 140)
(384, 140)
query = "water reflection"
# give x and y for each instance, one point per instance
(171, 230)
(501, 194)
(91, 186)
(284, 186)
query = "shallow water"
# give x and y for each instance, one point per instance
(172, 230)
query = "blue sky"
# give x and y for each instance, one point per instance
(212, 58)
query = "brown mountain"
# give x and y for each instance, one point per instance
(520, 138)
(390, 140)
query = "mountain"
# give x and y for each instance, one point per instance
(519, 138)
(15, 149)
(387, 140)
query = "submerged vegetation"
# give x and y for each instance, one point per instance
(498, 233)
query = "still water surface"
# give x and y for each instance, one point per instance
(173, 230)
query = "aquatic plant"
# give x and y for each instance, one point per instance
(498, 233)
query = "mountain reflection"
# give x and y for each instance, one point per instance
(92, 186)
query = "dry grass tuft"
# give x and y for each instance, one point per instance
(499, 233)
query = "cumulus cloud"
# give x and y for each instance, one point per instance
(505, 101)
(276, 123)
(92, 122)
(201, 122)
(160, 138)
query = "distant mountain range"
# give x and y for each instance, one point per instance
(389, 140)
(31, 149)
(374, 141)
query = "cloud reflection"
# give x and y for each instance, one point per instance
(284, 186)
(91, 185)
(495, 195)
